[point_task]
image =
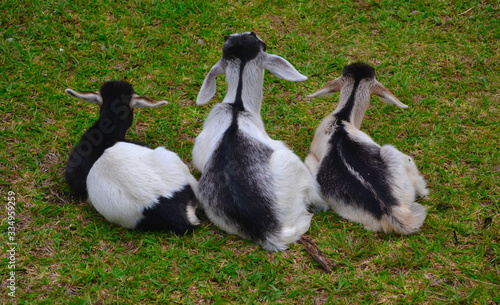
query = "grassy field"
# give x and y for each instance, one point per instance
(441, 58)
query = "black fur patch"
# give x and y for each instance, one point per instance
(169, 214)
(337, 181)
(115, 109)
(81, 160)
(243, 46)
(359, 71)
(234, 180)
(115, 118)
(115, 89)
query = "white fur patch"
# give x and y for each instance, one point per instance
(128, 178)
(191, 215)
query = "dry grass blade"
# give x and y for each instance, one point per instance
(318, 255)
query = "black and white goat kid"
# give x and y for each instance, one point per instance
(251, 185)
(128, 183)
(362, 181)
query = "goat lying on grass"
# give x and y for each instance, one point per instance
(363, 182)
(128, 183)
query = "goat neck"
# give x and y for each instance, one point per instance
(355, 89)
(354, 100)
(245, 81)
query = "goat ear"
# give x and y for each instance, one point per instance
(379, 90)
(92, 97)
(282, 68)
(209, 86)
(141, 102)
(331, 87)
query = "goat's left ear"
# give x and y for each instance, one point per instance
(141, 102)
(209, 86)
(379, 90)
(330, 88)
(92, 97)
(282, 68)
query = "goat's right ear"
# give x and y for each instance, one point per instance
(141, 101)
(331, 87)
(282, 68)
(209, 86)
(379, 90)
(92, 97)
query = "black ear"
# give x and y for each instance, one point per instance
(226, 37)
(253, 34)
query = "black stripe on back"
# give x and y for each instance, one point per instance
(337, 181)
(234, 181)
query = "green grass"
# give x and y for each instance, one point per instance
(439, 57)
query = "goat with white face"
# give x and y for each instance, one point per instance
(251, 185)
(362, 181)
(128, 183)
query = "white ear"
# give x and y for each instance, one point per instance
(141, 102)
(282, 68)
(379, 90)
(92, 97)
(209, 86)
(331, 87)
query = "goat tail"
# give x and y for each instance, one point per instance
(405, 219)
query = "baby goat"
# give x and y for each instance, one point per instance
(129, 184)
(363, 182)
(251, 185)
